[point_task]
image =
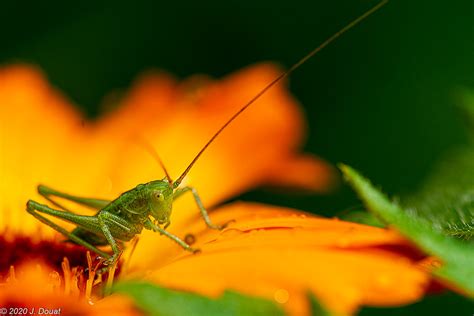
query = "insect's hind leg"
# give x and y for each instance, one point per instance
(110, 239)
(48, 192)
(201, 207)
(35, 208)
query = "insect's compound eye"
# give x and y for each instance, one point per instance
(159, 196)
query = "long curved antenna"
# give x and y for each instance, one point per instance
(148, 147)
(278, 79)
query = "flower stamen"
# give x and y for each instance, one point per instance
(110, 278)
(11, 275)
(91, 277)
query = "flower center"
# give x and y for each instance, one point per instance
(74, 268)
(17, 250)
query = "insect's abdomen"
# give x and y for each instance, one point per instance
(89, 237)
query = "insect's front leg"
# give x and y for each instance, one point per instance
(149, 225)
(201, 207)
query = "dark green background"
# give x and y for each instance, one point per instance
(382, 98)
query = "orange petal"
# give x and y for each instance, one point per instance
(277, 253)
(304, 172)
(37, 127)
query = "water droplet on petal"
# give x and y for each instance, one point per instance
(281, 296)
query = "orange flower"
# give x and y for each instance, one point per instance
(270, 252)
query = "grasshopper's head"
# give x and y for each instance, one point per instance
(160, 200)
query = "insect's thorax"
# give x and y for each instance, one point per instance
(129, 205)
(153, 198)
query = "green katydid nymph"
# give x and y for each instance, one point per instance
(147, 205)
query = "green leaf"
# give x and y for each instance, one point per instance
(155, 300)
(446, 199)
(457, 256)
